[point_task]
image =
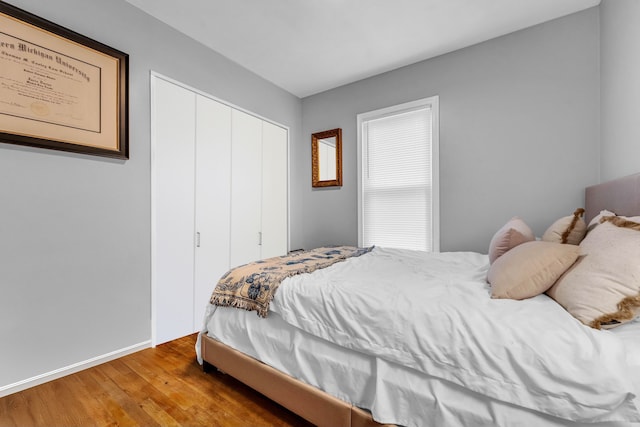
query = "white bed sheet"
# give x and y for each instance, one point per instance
(394, 394)
(400, 395)
(629, 333)
(432, 312)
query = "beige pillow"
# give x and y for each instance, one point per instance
(513, 233)
(602, 289)
(530, 269)
(569, 229)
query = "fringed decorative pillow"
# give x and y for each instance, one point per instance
(602, 289)
(569, 229)
(596, 219)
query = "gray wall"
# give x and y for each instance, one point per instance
(620, 85)
(520, 124)
(519, 130)
(75, 230)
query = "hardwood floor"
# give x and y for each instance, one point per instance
(162, 386)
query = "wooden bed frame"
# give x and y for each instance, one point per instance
(621, 196)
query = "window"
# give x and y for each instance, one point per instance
(398, 176)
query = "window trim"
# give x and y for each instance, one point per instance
(434, 103)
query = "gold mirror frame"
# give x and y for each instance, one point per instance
(315, 158)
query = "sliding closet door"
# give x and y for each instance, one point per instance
(274, 191)
(173, 166)
(246, 176)
(213, 194)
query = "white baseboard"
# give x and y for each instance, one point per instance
(71, 369)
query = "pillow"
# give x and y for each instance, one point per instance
(512, 234)
(569, 229)
(530, 269)
(606, 213)
(596, 219)
(621, 221)
(602, 289)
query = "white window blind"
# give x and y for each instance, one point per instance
(397, 177)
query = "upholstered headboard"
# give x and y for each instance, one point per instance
(621, 196)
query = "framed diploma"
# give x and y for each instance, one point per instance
(59, 89)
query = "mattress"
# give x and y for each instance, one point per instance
(394, 394)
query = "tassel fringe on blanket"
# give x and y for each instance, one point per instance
(253, 286)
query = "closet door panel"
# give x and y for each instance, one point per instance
(246, 174)
(213, 195)
(274, 191)
(174, 153)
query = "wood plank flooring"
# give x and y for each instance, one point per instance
(162, 386)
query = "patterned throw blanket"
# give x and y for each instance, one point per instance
(252, 286)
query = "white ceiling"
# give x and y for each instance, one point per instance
(308, 46)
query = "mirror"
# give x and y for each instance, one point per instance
(326, 158)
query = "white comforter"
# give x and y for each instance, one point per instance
(433, 313)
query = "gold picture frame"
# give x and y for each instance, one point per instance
(59, 89)
(326, 158)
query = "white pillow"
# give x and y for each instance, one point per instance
(596, 219)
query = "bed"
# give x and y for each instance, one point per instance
(332, 350)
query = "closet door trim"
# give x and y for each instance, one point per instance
(221, 101)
